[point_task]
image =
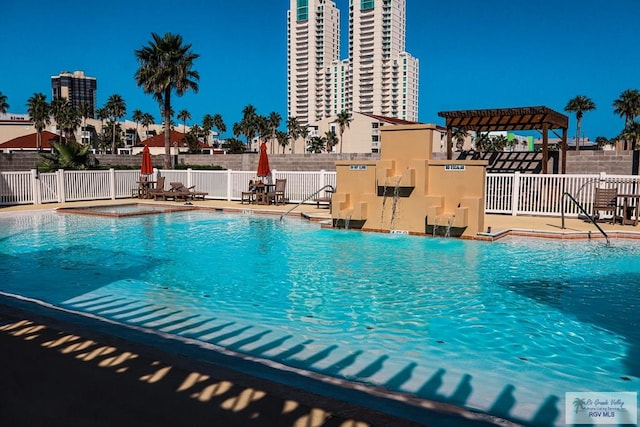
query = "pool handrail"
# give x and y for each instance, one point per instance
(566, 194)
(330, 187)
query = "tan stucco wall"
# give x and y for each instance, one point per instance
(406, 190)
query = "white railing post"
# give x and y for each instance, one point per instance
(229, 173)
(112, 183)
(35, 187)
(516, 194)
(189, 177)
(602, 178)
(62, 196)
(322, 179)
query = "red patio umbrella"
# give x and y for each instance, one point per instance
(147, 166)
(263, 162)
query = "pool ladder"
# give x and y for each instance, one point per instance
(584, 212)
(330, 188)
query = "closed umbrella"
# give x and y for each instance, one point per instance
(263, 162)
(147, 166)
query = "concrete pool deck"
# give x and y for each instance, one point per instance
(59, 372)
(500, 225)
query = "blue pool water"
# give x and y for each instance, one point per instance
(505, 327)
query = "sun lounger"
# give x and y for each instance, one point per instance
(185, 193)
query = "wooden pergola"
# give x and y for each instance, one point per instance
(541, 119)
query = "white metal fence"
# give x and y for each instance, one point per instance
(513, 194)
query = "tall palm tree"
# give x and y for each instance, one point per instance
(293, 130)
(218, 124)
(632, 133)
(166, 66)
(70, 121)
(146, 121)
(38, 109)
(207, 125)
(342, 119)
(627, 106)
(249, 123)
(579, 105)
(137, 117)
(283, 139)
(4, 106)
(274, 120)
(56, 108)
(117, 109)
(184, 115)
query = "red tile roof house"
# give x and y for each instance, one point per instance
(28, 142)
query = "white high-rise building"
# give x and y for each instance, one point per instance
(379, 76)
(313, 41)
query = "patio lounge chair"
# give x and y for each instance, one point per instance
(606, 200)
(185, 193)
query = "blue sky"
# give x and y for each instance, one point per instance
(473, 53)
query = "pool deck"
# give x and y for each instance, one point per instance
(54, 369)
(500, 225)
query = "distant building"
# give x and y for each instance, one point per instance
(76, 88)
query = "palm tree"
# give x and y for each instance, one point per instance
(70, 120)
(283, 139)
(116, 108)
(137, 117)
(249, 123)
(342, 119)
(627, 106)
(146, 121)
(632, 133)
(460, 135)
(293, 130)
(38, 109)
(4, 106)
(579, 105)
(67, 156)
(207, 125)
(184, 115)
(56, 108)
(316, 144)
(218, 124)
(332, 140)
(166, 66)
(274, 120)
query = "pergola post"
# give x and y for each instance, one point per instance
(449, 143)
(564, 151)
(545, 147)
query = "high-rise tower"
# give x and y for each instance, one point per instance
(76, 88)
(379, 76)
(384, 77)
(313, 40)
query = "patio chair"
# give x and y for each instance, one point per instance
(159, 190)
(141, 188)
(277, 195)
(249, 196)
(606, 200)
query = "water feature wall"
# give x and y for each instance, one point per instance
(407, 191)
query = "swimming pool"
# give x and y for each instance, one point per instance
(505, 327)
